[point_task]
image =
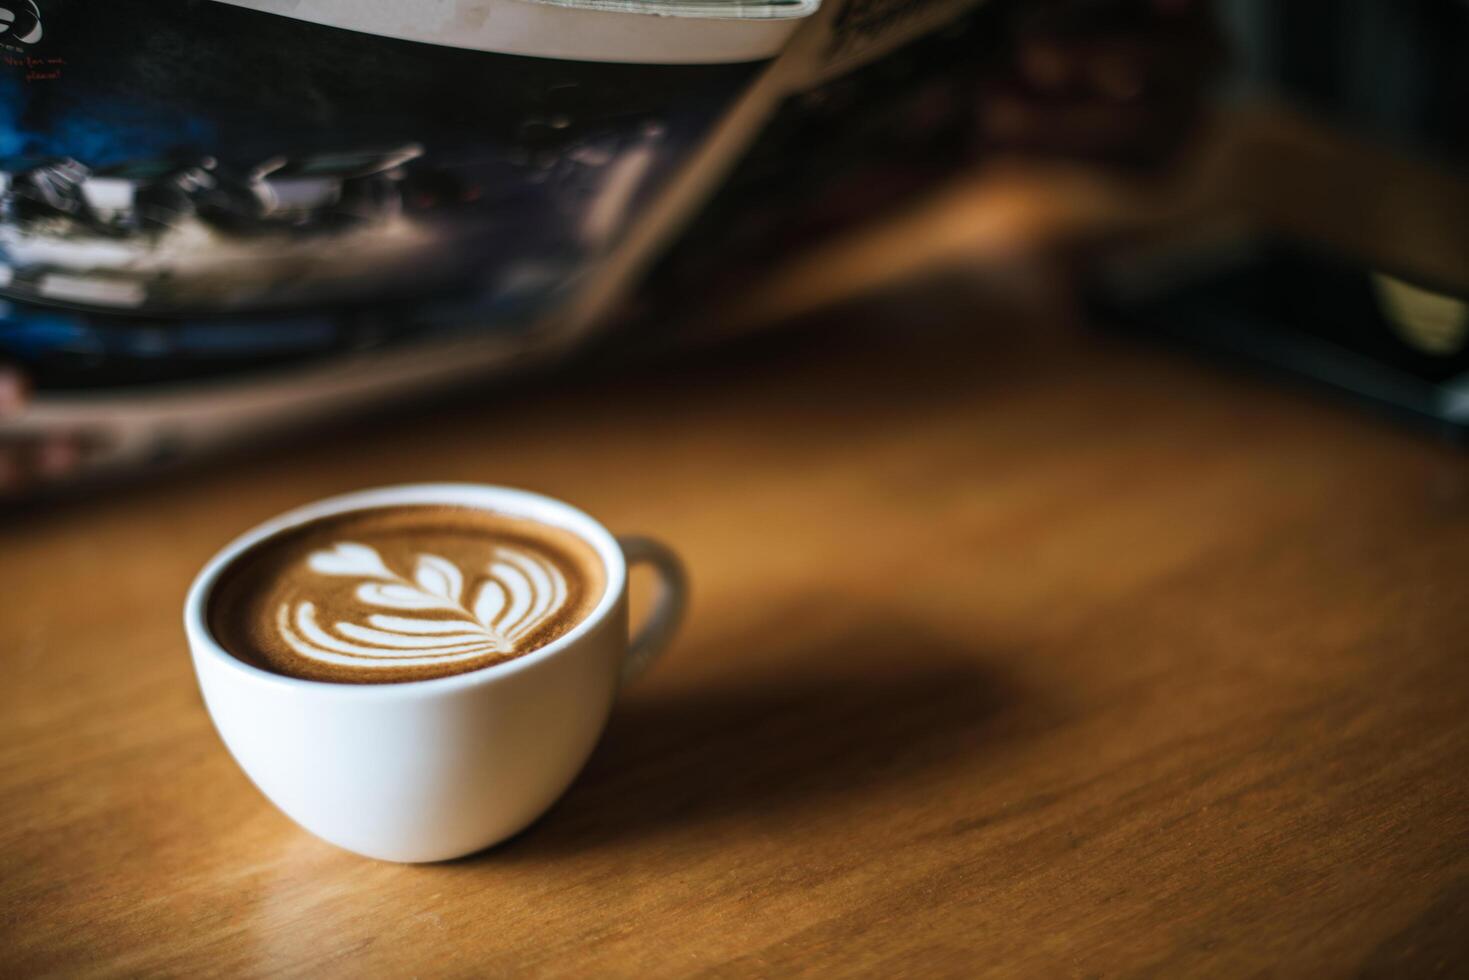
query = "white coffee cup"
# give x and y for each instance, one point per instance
(434, 769)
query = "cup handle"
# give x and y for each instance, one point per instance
(668, 604)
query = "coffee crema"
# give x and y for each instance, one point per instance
(403, 593)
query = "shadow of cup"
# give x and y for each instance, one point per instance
(755, 753)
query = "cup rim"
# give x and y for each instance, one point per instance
(510, 501)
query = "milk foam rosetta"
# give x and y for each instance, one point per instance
(403, 593)
(522, 592)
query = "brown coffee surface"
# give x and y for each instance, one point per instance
(403, 593)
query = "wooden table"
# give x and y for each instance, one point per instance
(1012, 652)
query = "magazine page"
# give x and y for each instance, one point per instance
(203, 189)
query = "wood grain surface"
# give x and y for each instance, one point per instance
(1012, 652)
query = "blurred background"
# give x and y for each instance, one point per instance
(1276, 185)
(1279, 186)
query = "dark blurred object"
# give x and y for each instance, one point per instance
(1115, 81)
(1394, 71)
(1372, 300)
(1315, 314)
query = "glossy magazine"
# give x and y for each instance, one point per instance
(223, 216)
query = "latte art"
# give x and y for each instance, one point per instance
(522, 592)
(404, 593)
